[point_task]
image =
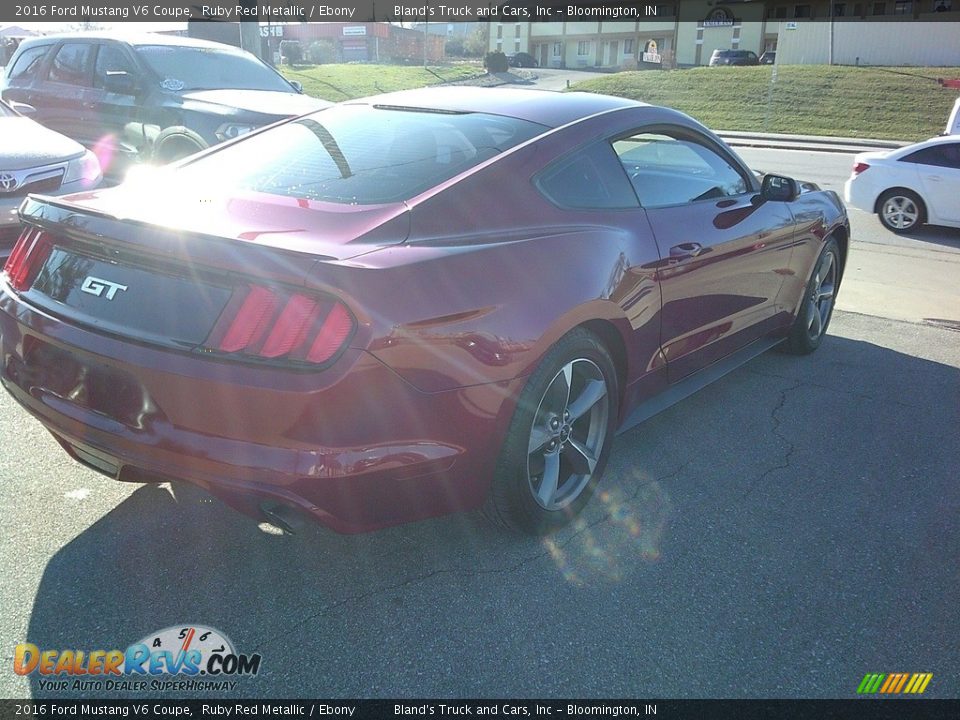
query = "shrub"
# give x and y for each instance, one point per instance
(495, 62)
(321, 52)
(291, 51)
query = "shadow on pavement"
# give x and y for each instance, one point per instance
(779, 534)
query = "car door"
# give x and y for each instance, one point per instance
(938, 167)
(24, 73)
(64, 99)
(118, 85)
(723, 253)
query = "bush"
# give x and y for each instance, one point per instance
(321, 52)
(495, 62)
(291, 51)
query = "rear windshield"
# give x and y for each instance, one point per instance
(359, 154)
(200, 68)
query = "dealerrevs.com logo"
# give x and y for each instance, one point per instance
(204, 655)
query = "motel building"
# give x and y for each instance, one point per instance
(864, 33)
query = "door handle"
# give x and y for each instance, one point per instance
(685, 250)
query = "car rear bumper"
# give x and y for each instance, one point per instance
(354, 447)
(859, 193)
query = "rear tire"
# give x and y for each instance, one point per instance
(816, 308)
(901, 210)
(559, 438)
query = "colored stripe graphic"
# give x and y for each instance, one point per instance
(894, 683)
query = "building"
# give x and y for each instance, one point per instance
(448, 29)
(687, 37)
(369, 41)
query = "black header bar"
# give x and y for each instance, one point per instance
(359, 11)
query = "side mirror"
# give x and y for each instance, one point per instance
(120, 82)
(22, 108)
(297, 85)
(778, 188)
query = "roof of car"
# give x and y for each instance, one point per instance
(543, 107)
(131, 38)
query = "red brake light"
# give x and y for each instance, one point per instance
(31, 251)
(275, 324)
(859, 168)
(252, 320)
(290, 329)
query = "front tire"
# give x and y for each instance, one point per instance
(816, 309)
(900, 210)
(559, 438)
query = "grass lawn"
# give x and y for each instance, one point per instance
(884, 103)
(344, 82)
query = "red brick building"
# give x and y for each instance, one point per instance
(369, 41)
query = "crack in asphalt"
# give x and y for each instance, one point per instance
(586, 526)
(862, 396)
(791, 448)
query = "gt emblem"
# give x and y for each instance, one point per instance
(96, 286)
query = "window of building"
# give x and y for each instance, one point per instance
(903, 7)
(879, 8)
(780, 12)
(839, 9)
(557, 49)
(516, 30)
(628, 47)
(801, 11)
(516, 46)
(583, 47)
(499, 32)
(942, 5)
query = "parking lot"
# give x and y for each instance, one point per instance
(779, 534)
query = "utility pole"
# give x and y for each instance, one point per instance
(425, 22)
(250, 31)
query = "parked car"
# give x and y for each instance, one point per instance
(769, 57)
(909, 186)
(733, 57)
(522, 60)
(35, 159)
(146, 96)
(418, 303)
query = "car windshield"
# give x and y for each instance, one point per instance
(358, 154)
(200, 68)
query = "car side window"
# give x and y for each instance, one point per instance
(947, 155)
(674, 169)
(590, 179)
(111, 64)
(71, 63)
(28, 64)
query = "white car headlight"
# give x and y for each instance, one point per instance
(85, 168)
(229, 131)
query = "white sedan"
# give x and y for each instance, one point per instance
(909, 186)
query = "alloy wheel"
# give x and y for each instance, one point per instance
(900, 212)
(820, 300)
(567, 434)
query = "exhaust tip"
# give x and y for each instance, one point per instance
(288, 519)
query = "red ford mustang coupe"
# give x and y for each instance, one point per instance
(409, 305)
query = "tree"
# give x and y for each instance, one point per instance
(475, 45)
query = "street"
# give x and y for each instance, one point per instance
(779, 534)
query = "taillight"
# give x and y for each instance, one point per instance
(859, 168)
(277, 324)
(28, 256)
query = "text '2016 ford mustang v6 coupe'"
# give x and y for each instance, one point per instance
(412, 304)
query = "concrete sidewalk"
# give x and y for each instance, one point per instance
(814, 143)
